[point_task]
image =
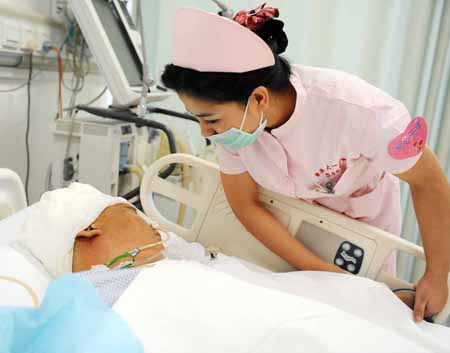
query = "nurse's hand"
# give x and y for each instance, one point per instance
(431, 296)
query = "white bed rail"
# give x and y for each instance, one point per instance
(12, 193)
(323, 231)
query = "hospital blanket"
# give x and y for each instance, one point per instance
(183, 306)
(368, 300)
(71, 319)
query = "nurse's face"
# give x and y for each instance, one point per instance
(215, 118)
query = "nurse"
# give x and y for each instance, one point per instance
(316, 134)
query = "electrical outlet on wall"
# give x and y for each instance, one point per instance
(12, 36)
(30, 40)
(57, 10)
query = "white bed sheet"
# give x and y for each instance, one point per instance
(9, 226)
(16, 265)
(361, 297)
(183, 306)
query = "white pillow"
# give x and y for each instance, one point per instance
(15, 265)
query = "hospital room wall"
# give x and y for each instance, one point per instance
(31, 7)
(13, 118)
(44, 90)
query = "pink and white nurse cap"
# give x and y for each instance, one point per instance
(207, 42)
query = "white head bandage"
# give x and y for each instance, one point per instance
(49, 232)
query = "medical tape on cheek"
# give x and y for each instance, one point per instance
(164, 241)
(157, 256)
(150, 260)
(155, 226)
(154, 258)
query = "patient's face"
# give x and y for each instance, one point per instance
(122, 229)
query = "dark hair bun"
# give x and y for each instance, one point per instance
(272, 33)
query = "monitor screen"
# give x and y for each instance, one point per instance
(120, 41)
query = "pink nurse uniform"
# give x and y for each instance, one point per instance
(334, 150)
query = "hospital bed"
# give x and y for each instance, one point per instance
(24, 283)
(356, 246)
(12, 193)
(332, 236)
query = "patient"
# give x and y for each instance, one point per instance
(187, 300)
(79, 229)
(87, 228)
(117, 230)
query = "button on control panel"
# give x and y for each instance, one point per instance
(349, 257)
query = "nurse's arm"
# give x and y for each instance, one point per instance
(241, 193)
(431, 197)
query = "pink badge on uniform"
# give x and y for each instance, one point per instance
(410, 142)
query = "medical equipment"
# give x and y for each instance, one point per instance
(25, 286)
(104, 153)
(122, 54)
(129, 116)
(237, 139)
(21, 283)
(333, 237)
(132, 254)
(117, 48)
(107, 158)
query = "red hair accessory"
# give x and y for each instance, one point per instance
(256, 18)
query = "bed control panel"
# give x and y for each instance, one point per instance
(349, 257)
(352, 255)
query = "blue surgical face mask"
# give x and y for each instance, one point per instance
(236, 139)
